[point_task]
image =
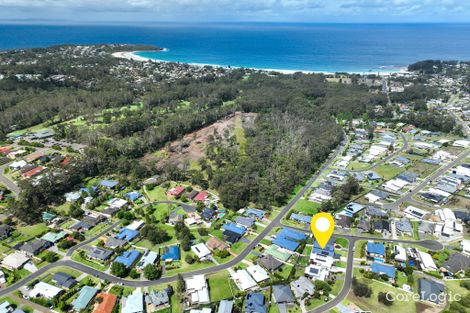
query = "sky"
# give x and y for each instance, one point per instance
(180, 11)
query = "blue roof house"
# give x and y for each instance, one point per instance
(133, 195)
(289, 239)
(110, 184)
(84, 298)
(171, 253)
(255, 303)
(329, 249)
(127, 234)
(256, 213)
(375, 251)
(240, 230)
(301, 218)
(128, 258)
(381, 268)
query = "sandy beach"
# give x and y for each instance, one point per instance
(131, 55)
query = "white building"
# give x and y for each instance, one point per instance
(258, 273)
(465, 245)
(400, 253)
(463, 169)
(415, 213)
(426, 262)
(243, 280)
(201, 251)
(44, 290)
(15, 261)
(135, 225)
(197, 289)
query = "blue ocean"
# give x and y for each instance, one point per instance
(309, 47)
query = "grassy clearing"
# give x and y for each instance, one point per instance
(219, 286)
(33, 230)
(388, 171)
(306, 207)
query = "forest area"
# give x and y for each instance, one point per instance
(293, 133)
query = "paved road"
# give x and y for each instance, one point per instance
(441, 171)
(145, 283)
(386, 159)
(7, 182)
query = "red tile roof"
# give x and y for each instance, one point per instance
(202, 196)
(177, 191)
(35, 171)
(108, 301)
(5, 150)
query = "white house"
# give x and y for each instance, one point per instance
(15, 261)
(258, 273)
(201, 251)
(197, 289)
(243, 280)
(44, 290)
(426, 262)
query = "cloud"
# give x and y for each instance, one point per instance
(238, 10)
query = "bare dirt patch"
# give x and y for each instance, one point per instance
(192, 146)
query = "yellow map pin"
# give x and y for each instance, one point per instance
(322, 226)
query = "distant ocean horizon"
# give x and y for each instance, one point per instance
(358, 48)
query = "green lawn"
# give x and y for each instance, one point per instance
(306, 207)
(219, 286)
(33, 230)
(373, 305)
(157, 194)
(388, 171)
(343, 242)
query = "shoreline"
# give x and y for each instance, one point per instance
(132, 56)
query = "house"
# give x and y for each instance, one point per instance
(15, 261)
(201, 251)
(109, 184)
(149, 257)
(364, 224)
(201, 196)
(176, 191)
(456, 263)
(114, 243)
(135, 225)
(35, 247)
(106, 303)
(316, 272)
(300, 218)
(117, 203)
(72, 196)
(374, 176)
(134, 303)
(48, 217)
(233, 232)
(44, 290)
(465, 245)
(133, 196)
(404, 226)
(383, 269)
(247, 222)
(255, 213)
(415, 213)
(258, 273)
(190, 195)
(243, 280)
(407, 176)
(376, 195)
(344, 221)
(82, 226)
(208, 214)
(17, 165)
(282, 294)
(171, 253)
(128, 258)
(6, 307)
(63, 280)
(225, 306)
(175, 217)
(54, 237)
(289, 239)
(426, 261)
(375, 212)
(127, 234)
(5, 231)
(84, 298)
(302, 287)
(255, 303)
(382, 226)
(97, 253)
(197, 289)
(214, 243)
(353, 208)
(269, 262)
(375, 251)
(463, 169)
(157, 299)
(400, 253)
(33, 172)
(432, 291)
(400, 161)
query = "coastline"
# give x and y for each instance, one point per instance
(132, 56)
